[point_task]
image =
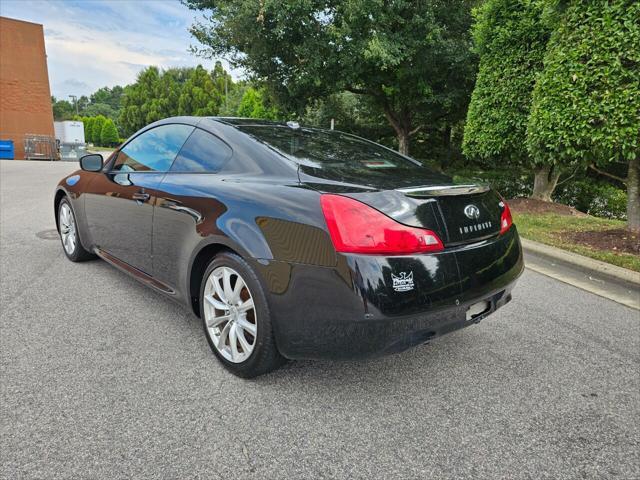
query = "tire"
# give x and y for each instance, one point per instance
(237, 315)
(69, 235)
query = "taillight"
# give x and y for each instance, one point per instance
(505, 218)
(357, 228)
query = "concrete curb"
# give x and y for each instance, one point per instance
(588, 265)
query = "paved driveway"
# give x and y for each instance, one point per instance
(103, 378)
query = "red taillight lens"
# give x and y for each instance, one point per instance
(505, 218)
(357, 228)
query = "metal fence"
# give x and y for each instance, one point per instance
(40, 147)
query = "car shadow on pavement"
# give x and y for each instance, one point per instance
(415, 362)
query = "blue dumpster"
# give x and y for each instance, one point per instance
(6, 150)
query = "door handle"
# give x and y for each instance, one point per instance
(141, 197)
(178, 207)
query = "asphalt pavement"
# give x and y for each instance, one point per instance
(103, 378)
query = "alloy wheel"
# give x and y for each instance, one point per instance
(230, 314)
(68, 229)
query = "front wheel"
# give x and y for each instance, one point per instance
(68, 229)
(236, 317)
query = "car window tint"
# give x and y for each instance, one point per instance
(331, 150)
(202, 152)
(154, 150)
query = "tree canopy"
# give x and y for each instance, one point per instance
(253, 105)
(158, 94)
(200, 94)
(412, 60)
(511, 39)
(105, 101)
(586, 102)
(111, 96)
(62, 109)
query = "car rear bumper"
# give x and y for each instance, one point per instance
(369, 305)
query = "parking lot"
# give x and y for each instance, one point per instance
(104, 378)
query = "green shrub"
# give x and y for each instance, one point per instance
(510, 37)
(583, 193)
(511, 183)
(96, 129)
(88, 129)
(595, 198)
(109, 134)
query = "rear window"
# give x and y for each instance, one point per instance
(329, 149)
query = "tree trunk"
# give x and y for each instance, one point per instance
(633, 196)
(544, 182)
(401, 123)
(403, 141)
(448, 151)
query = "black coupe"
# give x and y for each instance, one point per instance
(292, 242)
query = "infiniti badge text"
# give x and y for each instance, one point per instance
(478, 227)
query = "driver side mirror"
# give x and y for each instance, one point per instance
(92, 162)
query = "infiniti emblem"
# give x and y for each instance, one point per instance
(472, 212)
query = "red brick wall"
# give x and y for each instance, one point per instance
(25, 97)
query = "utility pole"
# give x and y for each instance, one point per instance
(75, 100)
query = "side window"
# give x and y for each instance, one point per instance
(203, 152)
(154, 150)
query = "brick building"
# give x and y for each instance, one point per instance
(25, 97)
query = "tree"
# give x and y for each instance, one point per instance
(510, 37)
(199, 95)
(88, 129)
(154, 95)
(351, 113)
(412, 60)
(62, 109)
(158, 94)
(253, 105)
(224, 85)
(96, 129)
(586, 103)
(232, 99)
(83, 102)
(109, 134)
(136, 102)
(104, 109)
(109, 96)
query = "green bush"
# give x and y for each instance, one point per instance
(88, 129)
(109, 134)
(595, 198)
(96, 129)
(583, 193)
(253, 105)
(510, 37)
(510, 183)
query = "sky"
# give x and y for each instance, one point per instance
(96, 43)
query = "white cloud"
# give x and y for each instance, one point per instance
(93, 43)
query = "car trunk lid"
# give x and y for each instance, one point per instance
(457, 213)
(469, 212)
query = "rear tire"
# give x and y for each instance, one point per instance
(69, 235)
(236, 317)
